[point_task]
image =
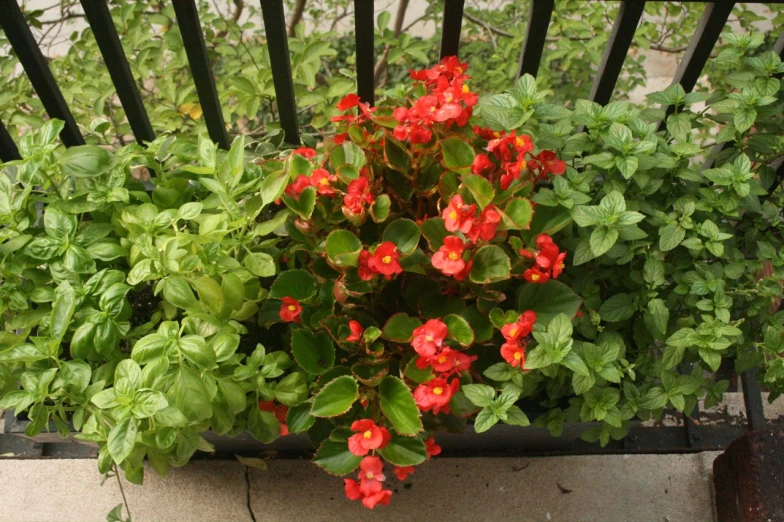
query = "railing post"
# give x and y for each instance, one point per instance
(8, 149)
(535, 37)
(453, 24)
(364, 33)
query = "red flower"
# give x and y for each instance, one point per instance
(385, 260)
(484, 228)
(548, 258)
(449, 258)
(290, 310)
(514, 355)
(322, 179)
(279, 411)
(435, 394)
(481, 164)
(364, 271)
(370, 475)
(460, 276)
(358, 193)
(369, 437)
(295, 189)
(305, 152)
(459, 216)
(432, 448)
(429, 337)
(356, 331)
(451, 361)
(348, 101)
(532, 275)
(382, 497)
(352, 489)
(403, 472)
(520, 328)
(546, 162)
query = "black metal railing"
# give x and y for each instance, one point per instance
(714, 18)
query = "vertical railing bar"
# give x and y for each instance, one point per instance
(364, 33)
(196, 50)
(8, 149)
(709, 28)
(778, 48)
(35, 65)
(535, 37)
(624, 27)
(280, 61)
(453, 23)
(752, 398)
(102, 25)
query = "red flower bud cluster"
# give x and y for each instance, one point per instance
(548, 260)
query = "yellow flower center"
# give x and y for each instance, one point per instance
(523, 164)
(518, 356)
(453, 256)
(448, 96)
(369, 475)
(535, 277)
(519, 141)
(367, 434)
(432, 109)
(513, 332)
(464, 88)
(497, 134)
(561, 266)
(324, 181)
(292, 308)
(438, 390)
(459, 70)
(453, 215)
(386, 260)
(442, 359)
(429, 338)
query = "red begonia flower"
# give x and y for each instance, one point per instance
(322, 180)
(429, 337)
(305, 152)
(459, 216)
(348, 101)
(369, 437)
(385, 260)
(358, 192)
(364, 271)
(352, 489)
(481, 164)
(460, 276)
(290, 310)
(513, 354)
(382, 497)
(403, 472)
(356, 332)
(449, 258)
(432, 448)
(370, 475)
(435, 394)
(520, 328)
(484, 228)
(533, 275)
(295, 189)
(451, 361)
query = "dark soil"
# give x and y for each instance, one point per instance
(143, 304)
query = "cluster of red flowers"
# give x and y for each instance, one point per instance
(458, 216)
(513, 350)
(448, 100)
(364, 113)
(280, 411)
(384, 260)
(513, 155)
(428, 342)
(548, 260)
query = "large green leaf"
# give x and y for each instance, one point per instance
(122, 438)
(458, 155)
(343, 248)
(191, 395)
(314, 352)
(297, 284)
(292, 389)
(491, 264)
(548, 300)
(398, 405)
(263, 426)
(480, 189)
(336, 397)
(333, 454)
(400, 328)
(404, 451)
(85, 161)
(404, 233)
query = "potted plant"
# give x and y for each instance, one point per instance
(440, 260)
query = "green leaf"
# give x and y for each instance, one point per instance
(304, 204)
(343, 248)
(263, 425)
(85, 161)
(273, 185)
(196, 351)
(517, 215)
(404, 451)
(673, 355)
(458, 155)
(548, 300)
(292, 389)
(404, 233)
(400, 328)
(333, 455)
(210, 293)
(297, 284)
(379, 210)
(398, 405)
(617, 308)
(491, 264)
(122, 439)
(63, 309)
(479, 394)
(336, 397)
(299, 418)
(627, 165)
(260, 264)
(480, 189)
(516, 417)
(485, 420)
(459, 329)
(671, 236)
(191, 395)
(177, 291)
(434, 231)
(602, 240)
(314, 352)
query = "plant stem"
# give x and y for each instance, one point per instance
(122, 491)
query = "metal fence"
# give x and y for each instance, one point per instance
(713, 20)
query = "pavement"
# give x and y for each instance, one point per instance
(602, 488)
